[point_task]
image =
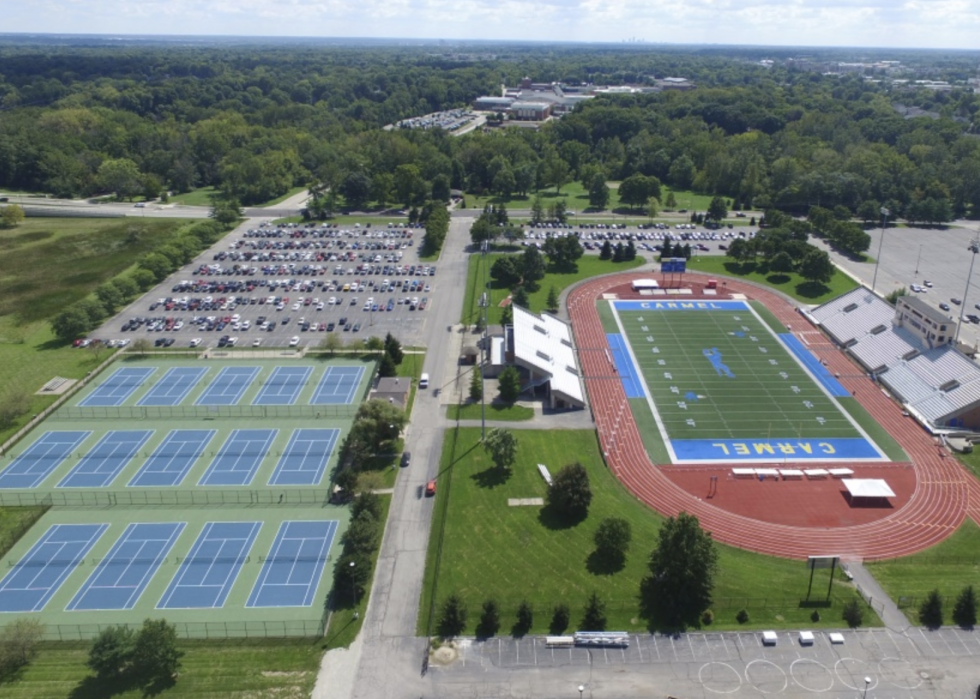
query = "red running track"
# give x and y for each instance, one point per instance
(944, 491)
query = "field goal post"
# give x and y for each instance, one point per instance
(822, 561)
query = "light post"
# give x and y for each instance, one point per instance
(917, 260)
(353, 593)
(581, 689)
(974, 247)
(884, 215)
(867, 681)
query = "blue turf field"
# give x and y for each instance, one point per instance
(100, 466)
(337, 385)
(228, 386)
(170, 462)
(206, 576)
(173, 387)
(41, 458)
(305, 458)
(239, 458)
(283, 385)
(114, 391)
(39, 574)
(122, 576)
(292, 571)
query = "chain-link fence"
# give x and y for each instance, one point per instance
(201, 497)
(204, 412)
(296, 628)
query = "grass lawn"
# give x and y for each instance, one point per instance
(495, 411)
(790, 284)
(491, 550)
(14, 523)
(240, 668)
(588, 266)
(45, 265)
(278, 200)
(195, 197)
(948, 566)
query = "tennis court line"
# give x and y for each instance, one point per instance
(230, 376)
(292, 379)
(208, 573)
(236, 464)
(23, 471)
(169, 466)
(121, 578)
(327, 383)
(294, 567)
(44, 569)
(114, 391)
(123, 446)
(173, 387)
(297, 467)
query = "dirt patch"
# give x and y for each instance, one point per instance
(444, 655)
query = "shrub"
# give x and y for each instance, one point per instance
(853, 612)
(742, 617)
(708, 617)
(815, 617)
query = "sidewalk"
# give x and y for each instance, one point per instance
(891, 616)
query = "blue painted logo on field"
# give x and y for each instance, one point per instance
(680, 305)
(714, 356)
(773, 449)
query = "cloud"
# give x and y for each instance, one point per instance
(905, 23)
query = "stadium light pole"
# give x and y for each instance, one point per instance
(884, 216)
(974, 247)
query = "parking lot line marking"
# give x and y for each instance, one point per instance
(690, 644)
(927, 642)
(673, 647)
(656, 647)
(517, 651)
(639, 648)
(534, 651)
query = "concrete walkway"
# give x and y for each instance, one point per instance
(891, 615)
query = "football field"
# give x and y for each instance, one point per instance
(722, 386)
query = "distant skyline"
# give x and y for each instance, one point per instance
(898, 24)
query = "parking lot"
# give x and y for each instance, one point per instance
(646, 237)
(288, 285)
(885, 663)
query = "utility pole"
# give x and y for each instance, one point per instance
(885, 213)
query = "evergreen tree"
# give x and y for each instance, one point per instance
(570, 493)
(509, 383)
(525, 618)
(476, 385)
(452, 620)
(594, 618)
(552, 301)
(606, 252)
(931, 610)
(489, 619)
(965, 609)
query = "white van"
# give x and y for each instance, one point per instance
(424, 381)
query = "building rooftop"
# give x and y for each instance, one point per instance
(545, 343)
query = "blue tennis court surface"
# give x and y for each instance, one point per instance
(292, 571)
(205, 577)
(117, 388)
(283, 385)
(169, 463)
(228, 386)
(105, 460)
(120, 578)
(337, 385)
(239, 458)
(624, 366)
(39, 574)
(173, 387)
(41, 458)
(305, 458)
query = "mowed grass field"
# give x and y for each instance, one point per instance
(949, 567)
(481, 548)
(768, 394)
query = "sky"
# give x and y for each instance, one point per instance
(953, 24)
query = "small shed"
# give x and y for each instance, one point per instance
(394, 389)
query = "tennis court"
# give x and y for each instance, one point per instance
(239, 458)
(337, 385)
(121, 577)
(283, 385)
(173, 387)
(228, 386)
(722, 386)
(292, 570)
(41, 458)
(171, 461)
(39, 574)
(305, 459)
(100, 466)
(207, 575)
(117, 388)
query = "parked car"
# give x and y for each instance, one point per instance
(294, 340)
(406, 459)
(430, 489)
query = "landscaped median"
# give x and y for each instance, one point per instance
(487, 542)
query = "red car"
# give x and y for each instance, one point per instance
(430, 489)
